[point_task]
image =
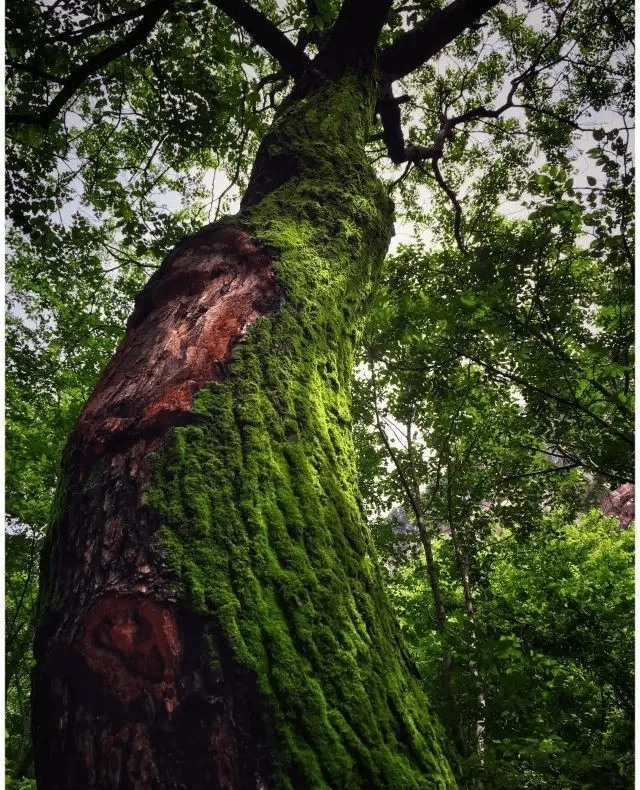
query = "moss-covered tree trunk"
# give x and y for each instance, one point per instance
(211, 612)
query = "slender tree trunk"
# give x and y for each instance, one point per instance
(24, 759)
(451, 715)
(462, 559)
(211, 613)
(463, 563)
(411, 488)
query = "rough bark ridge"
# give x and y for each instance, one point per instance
(211, 611)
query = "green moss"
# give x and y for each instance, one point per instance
(259, 501)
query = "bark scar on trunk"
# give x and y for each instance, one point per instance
(187, 321)
(133, 645)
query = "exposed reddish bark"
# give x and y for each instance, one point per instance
(132, 645)
(621, 503)
(187, 321)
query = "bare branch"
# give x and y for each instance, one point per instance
(33, 70)
(574, 404)
(83, 32)
(457, 222)
(266, 35)
(550, 470)
(419, 45)
(388, 107)
(400, 179)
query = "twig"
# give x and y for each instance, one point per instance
(457, 221)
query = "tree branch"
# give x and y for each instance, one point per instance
(388, 108)
(413, 502)
(457, 222)
(423, 42)
(93, 64)
(106, 24)
(33, 70)
(354, 35)
(549, 341)
(266, 35)
(400, 179)
(574, 404)
(550, 470)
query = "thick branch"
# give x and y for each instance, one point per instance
(93, 64)
(354, 35)
(266, 35)
(426, 40)
(388, 108)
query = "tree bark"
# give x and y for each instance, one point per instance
(211, 612)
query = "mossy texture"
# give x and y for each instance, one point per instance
(259, 500)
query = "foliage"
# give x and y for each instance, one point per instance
(536, 318)
(98, 194)
(496, 384)
(528, 89)
(21, 570)
(20, 784)
(476, 414)
(555, 647)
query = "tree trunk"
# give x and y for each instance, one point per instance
(411, 489)
(462, 560)
(211, 613)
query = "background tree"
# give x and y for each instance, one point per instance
(554, 641)
(488, 395)
(112, 106)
